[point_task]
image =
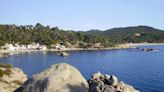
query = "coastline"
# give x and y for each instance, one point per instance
(117, 47)
(142, 44)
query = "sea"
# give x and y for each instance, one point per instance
(142, 69)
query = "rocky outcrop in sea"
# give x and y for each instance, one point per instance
(108, 83)
(11, 78)
(59, 78)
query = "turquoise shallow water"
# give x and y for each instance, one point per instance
(143, 70)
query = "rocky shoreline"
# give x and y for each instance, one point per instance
(11, 78)
(61, 78)
(5, 53)
(108, 83)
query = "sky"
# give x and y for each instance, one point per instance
(82, 15)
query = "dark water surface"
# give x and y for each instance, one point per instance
(143, 70)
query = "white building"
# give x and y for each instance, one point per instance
(9, 47)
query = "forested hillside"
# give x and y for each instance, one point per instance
(48, 36)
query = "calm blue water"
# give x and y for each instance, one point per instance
(143, 70)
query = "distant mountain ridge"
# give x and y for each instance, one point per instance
(133, 29)
(131, 34)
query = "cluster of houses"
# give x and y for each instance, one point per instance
(17, 47)
(32, 46)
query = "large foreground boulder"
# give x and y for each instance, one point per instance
(108, 83)
(11, 78)
(57, 78)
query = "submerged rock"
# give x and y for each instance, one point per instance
(107, 83)
(57, 78)
(11, 78)
(149, 49)
(64, 54)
